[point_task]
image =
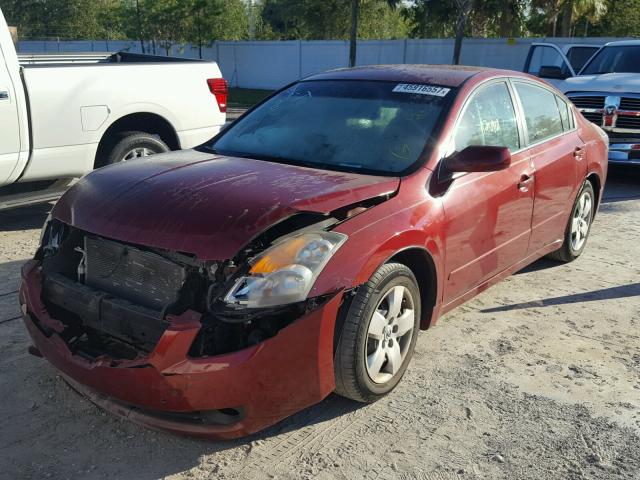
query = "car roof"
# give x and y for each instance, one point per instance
(623, 43)
(446, 75)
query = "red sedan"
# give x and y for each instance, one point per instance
(216, 291)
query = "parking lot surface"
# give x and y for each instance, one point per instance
(538, 377)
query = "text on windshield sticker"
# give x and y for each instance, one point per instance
(421, 89)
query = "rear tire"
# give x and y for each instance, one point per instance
(132, 145)
(578, 226)
(379, 335)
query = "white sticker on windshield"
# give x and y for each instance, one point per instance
(421, 89)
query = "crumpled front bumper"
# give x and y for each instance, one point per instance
(171, 391)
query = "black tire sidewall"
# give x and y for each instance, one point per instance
(399, 276)
(137, 140)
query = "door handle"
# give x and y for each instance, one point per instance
(578, 153)
(525, 181)
(4, 95)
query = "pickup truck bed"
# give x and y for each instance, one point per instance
(63, 115)
(67, 58)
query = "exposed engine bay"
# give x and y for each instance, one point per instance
(116, 299)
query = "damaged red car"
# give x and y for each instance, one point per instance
(216, 291)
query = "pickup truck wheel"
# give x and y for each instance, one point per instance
(379, 334)
(133, 145)
(578, 227)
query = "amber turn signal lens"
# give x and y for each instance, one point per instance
(279, 257)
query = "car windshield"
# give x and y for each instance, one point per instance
(366, 126)
(622, 59)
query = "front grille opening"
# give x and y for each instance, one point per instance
(114, 297)
(587, 101)
(628, 103)
(593, 117)
(628, 122)
(133, 274)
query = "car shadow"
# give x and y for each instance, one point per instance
(48, 427)
(541, 264)
(621, 291)
(24, 218)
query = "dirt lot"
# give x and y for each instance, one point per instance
(537, 378)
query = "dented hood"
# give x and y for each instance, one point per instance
(205, 204)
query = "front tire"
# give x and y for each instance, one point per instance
(578, 227)
(379, 335)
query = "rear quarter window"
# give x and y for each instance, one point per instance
(565, 114)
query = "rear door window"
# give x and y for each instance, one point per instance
(541, 112)
(489, 119)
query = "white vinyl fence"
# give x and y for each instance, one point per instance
(273, 64)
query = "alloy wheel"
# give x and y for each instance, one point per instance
(389, 334)
(581, 220)
(137, 153)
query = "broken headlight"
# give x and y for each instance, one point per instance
(285, 272)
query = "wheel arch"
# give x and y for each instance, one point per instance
(146, 122)
(421, 263)
(596, 183)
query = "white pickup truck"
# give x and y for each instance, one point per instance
(606, 90)
(61, 116)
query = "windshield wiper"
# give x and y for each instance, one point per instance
(210, 149)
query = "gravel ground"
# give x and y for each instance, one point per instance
(539, 377)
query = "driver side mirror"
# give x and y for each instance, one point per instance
(552, 71)
(479, 158)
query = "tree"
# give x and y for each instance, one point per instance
(549, 12)
(70, 19)
(590, 10)
(497, 18)
(167, 21)
(353, 37)
(353, 34)
(139, 24)
(486, 18)
(204, 16)
(331, 20)
(464, 8)
(621, 20)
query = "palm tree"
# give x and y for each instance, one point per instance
(353, 37)
(592, 10)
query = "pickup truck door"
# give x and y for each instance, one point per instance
(9, 126)
(546, 60)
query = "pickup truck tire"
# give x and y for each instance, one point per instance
(131, 145)
(578, 226)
